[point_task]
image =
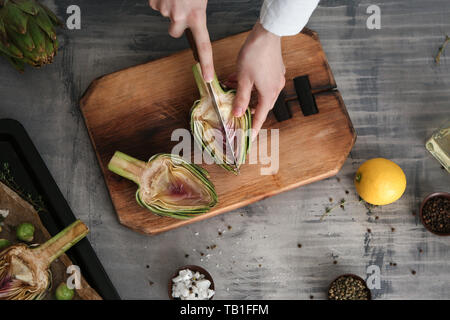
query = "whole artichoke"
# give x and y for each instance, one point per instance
(27, 34)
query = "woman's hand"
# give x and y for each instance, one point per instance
(260, 64)
(190, 14)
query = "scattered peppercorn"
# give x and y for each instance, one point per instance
(299, 245)
(347, 192)
(334, 262)
(230, 227)
(186, 255)
(311, 297)
(413, 272)
(393, 229)
(369, 231)
(219, 233)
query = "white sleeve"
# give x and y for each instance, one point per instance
(286, 17)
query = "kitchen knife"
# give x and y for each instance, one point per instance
(224, 128)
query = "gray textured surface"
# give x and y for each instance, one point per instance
(396, 97)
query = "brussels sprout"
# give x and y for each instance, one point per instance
(25, 232)
(63, 292)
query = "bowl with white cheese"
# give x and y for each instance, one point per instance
(191, 283)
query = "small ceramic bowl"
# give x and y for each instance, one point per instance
(194, 269)
(354, 276)
(433, 195)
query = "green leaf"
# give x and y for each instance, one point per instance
(46, 24)
(49, 47)
(22, 41)
(37, 34)
(3, 34)
(33, 56)
(11, 50)
(15, 18)
(17, 64)
(27, 6)
(52, 16)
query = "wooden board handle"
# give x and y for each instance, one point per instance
(191, 40)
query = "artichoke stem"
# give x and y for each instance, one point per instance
(126, 166)
(201, 84)
(62, 242)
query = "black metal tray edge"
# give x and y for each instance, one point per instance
(82, 253)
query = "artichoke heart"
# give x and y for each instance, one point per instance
(206, 128)
(168, 185)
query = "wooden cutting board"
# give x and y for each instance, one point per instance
(135, 111)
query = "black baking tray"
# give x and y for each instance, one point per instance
(31, 173)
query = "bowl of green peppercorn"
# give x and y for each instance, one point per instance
(349, 287)
(435, 213)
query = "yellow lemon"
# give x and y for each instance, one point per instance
(380, 181)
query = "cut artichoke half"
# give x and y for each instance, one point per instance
(206, 128)
(168, 185)
(25, 271)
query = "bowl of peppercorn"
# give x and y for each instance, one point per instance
(435, 213)
(349, 287)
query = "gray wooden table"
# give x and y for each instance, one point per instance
(396, 96)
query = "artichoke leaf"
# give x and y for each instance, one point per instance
(27, 6)
(46, 24)
(3, 35)
(17, 64)
(11, 51)
(15, 18)
(37, 35)
(206, 127)
(56, 21)
(23, 41)
(168, 185)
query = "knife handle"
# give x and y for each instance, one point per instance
(191, 40)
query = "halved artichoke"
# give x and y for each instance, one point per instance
(205, 125)
(24, 271)
(168, 185)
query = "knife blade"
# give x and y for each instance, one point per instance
(224, 128)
